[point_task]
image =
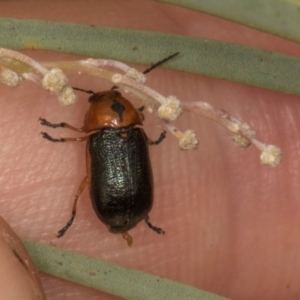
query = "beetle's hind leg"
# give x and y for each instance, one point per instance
(127, 237)
(154, 228)
(80, 190)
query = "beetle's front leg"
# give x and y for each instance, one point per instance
(44, 122)
(46, 136)
(159, 140)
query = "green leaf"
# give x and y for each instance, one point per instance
(278, 17)
(221, 60)
(108, 277)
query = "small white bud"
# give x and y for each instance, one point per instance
(271, 155)
(55, 80)
(10, 78)
(241, 140)
(171, 109)
(188, 140)
(67, 96)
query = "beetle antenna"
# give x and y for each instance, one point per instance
(160, 63)
(154, 66)
(82, 90)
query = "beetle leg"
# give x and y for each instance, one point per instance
(156, 229)
(80, 190)
(161, 137)
(51, 139)
(127, 237)
(44, 122)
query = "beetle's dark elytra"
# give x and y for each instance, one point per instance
(122, 192)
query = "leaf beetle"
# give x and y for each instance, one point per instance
(119, 173)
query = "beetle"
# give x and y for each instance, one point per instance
(119, 173)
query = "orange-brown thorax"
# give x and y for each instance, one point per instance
(110, 110)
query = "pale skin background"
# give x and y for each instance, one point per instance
(232, 225)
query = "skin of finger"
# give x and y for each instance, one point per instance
(231, 224)
(19, 277)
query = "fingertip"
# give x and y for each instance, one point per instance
(19, 277)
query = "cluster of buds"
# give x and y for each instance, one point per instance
(51, 76)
